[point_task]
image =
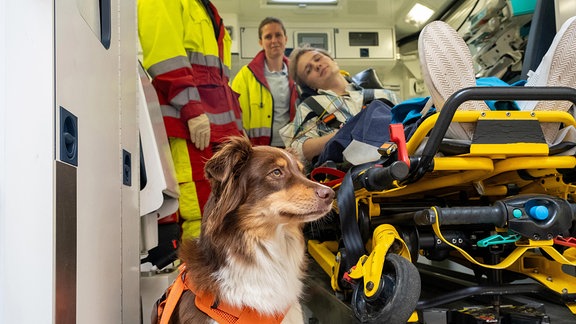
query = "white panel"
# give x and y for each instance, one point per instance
(249, 42)
(314, 37)
(384, 48)
(26, 161)
(129, 137)
(153, 286)
(231, 23)
(564, 9)
(90, 12)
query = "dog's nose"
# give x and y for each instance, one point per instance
(325, 192)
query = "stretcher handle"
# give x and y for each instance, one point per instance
(511, 211)
(495, 215)
(378, 178)
(482, 93)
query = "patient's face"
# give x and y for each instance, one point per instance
(316, 69)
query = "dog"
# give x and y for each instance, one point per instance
(250, 256)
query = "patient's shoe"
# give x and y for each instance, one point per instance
(557, 69)
(447, 67)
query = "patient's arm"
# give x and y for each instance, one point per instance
(312, 147)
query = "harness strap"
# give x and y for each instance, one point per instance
(174, 292)
(367, 97)
(223, 313)
(329, 119)
(210, 305)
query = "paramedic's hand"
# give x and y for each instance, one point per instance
(199, 128)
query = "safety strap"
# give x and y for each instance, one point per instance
(332, 177)
(329, 118)
(367, 97)
(318, 111)
(210, 305)
(351, 236)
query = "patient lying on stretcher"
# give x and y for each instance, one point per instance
(327, 122)
(336, 100)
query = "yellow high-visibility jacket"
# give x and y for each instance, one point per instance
(186, 51)
(256, 100)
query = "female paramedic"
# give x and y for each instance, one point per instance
(267, 95)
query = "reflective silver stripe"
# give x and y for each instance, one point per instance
(184, 97)
(169, 111)
(216, 119)
(168, 65)
(259, 132)
(208, 60)
(222, 118)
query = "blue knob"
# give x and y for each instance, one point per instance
(539, 212)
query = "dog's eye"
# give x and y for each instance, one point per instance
(276, 172)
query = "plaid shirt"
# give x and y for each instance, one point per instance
(343, 108)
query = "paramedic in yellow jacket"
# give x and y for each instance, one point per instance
(186, 51)
(267, 95)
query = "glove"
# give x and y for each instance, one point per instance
(199, 128)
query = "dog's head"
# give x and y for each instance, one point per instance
(262, 183)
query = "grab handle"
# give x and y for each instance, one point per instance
(539, 217)
(378, 178)
(482, 93)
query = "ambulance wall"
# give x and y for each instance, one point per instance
(68, 229)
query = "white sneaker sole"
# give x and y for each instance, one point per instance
(557, 69)
(447, 67)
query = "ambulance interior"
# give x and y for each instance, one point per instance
(108, 259)
(500, 35)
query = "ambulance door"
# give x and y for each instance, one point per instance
(96, 163)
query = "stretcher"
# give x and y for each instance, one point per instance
(502, 205)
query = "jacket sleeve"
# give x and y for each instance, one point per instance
(160, 30)
(240, 85)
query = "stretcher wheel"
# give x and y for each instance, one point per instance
(397, 295)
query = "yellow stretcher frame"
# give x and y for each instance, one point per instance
(485, 169)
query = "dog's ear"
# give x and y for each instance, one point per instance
(223, 172)
(227, 162)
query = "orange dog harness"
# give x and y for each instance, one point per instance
(207, 303)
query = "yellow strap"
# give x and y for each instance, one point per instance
(546, 245)
(173, 297)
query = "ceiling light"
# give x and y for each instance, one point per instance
(304, 2)
(419, 15)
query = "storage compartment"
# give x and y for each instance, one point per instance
(319, 38)
(315, 37)
(365, 43)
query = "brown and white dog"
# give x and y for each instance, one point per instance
(251, 253)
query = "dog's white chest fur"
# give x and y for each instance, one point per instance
(273, 283)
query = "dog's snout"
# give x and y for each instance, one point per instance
(325, 192)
